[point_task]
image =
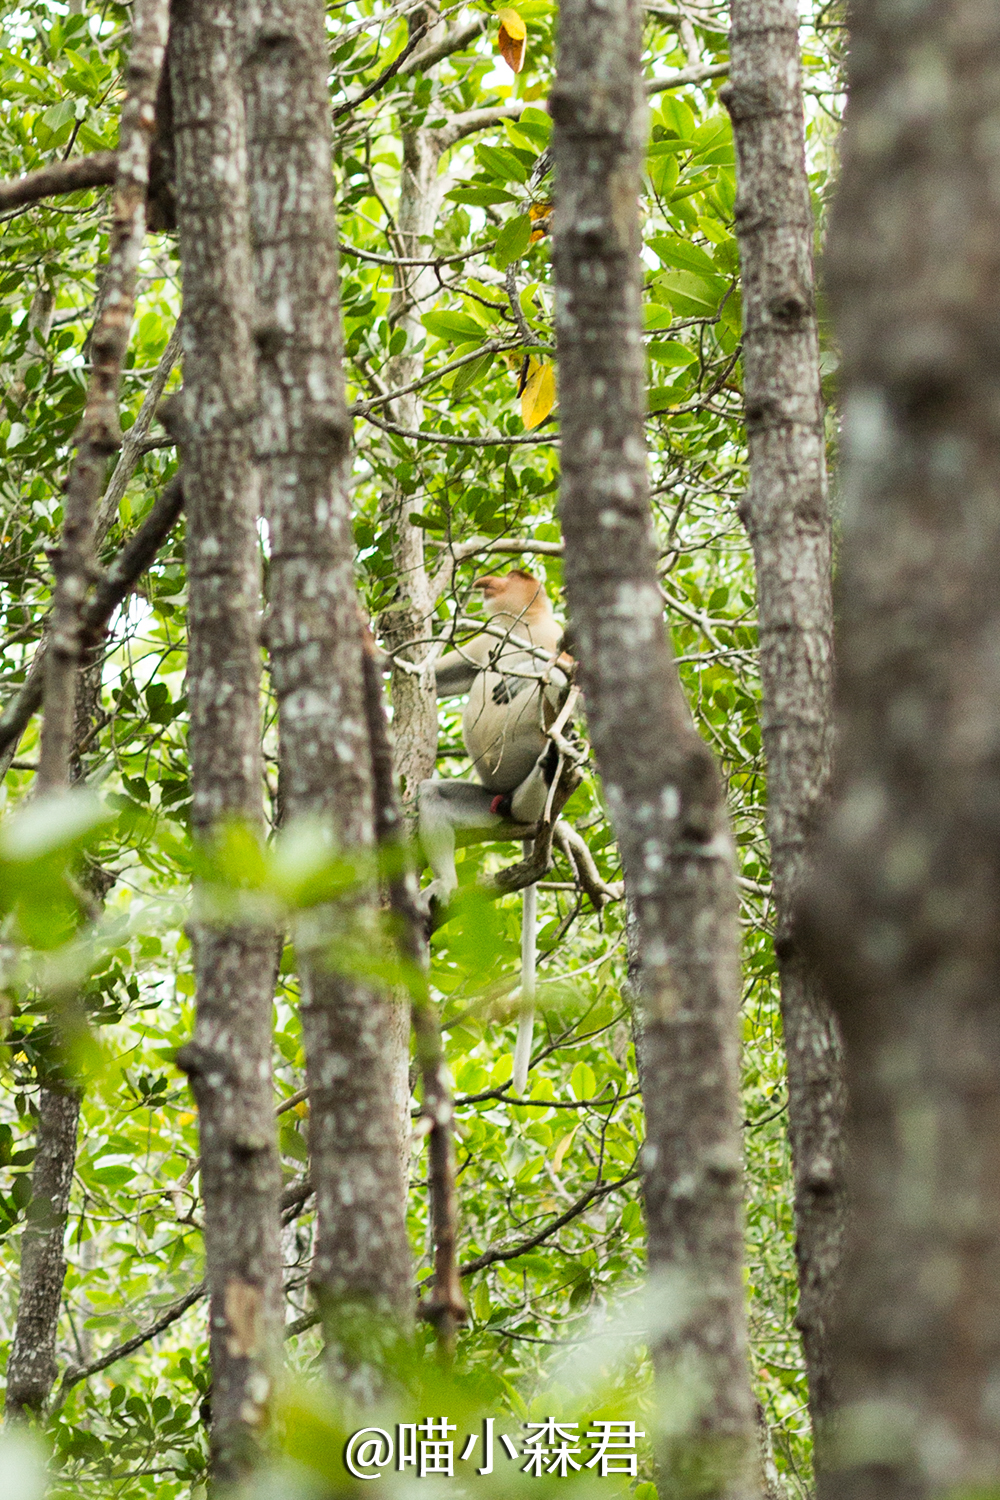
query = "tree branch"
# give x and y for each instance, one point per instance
(61, 177)
(128, 566)
(136, 441)
(521, 1247)
(459, 126)
(383, 78)
(582, 862)
(453, 42)
(492, 346)
(686, 75)
(403, 260)
(176, 1310)
(500, 441)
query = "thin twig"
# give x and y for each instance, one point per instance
(121, 577)
(176, 1310)
(500, 441)
(383, 78)
(492, 346)
(522, 1247)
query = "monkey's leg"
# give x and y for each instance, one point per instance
(445, 806)
(527, 801)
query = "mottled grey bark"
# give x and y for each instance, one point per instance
(31, 1368)
(787, 516)
(905, 898)
(99, 433)
(661, 785)
(354, 1035)
(229, 1059)
(409, 618)
(445, 1308)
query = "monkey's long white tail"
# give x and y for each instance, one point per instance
(526, 1022)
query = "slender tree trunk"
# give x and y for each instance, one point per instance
(661, 784)
(99, 433)
(32, 1368)
(414, 698)
(361, 1266)
(229, 1059)
(445, 1307)
(787, 516)
(904, 907)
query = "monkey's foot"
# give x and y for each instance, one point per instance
(433, 902)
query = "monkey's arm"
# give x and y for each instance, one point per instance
(457, 670)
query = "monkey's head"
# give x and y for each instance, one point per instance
(518, 593)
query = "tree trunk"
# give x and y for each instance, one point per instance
(660, 782)
(31, 1369)
(355, 1037)
(229, 1060)
(99, 433)
(904, 906)
(787, 517)
(414, 698)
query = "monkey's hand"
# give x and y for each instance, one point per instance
(508, 688)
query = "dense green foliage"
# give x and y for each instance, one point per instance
(134, 1245)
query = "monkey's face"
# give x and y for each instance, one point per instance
(512, 593)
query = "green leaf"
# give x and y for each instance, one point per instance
(482, 197)
(446, 324)
(693, 296)
(583, 1082)
(674, 251)
(503, 163)
(676, 116)
(513, 241)
(113, 1176)
(471, 373)
(669, 352)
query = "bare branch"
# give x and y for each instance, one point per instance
(492, 346)
(501, 440)
(136, 442)
(61, 177)
(511, 1251)
(582, 862)
(402, 260)
(453, 42)
(129, 565)
(383, 78)
(176, 1310)
(460, 126)
(686, 75)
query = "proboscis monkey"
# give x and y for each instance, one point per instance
(515, 687)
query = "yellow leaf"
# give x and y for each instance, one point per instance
(562, 1148)
(540, 215)
(512, 23)
(512, 38)
(538, 396)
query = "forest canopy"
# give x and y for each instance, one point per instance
(249, 500)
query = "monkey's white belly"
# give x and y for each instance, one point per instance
(503, 739)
